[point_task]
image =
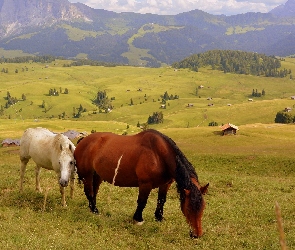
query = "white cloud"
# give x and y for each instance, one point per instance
(172, 7)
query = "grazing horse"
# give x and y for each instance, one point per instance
(146, 160)
(50, 151)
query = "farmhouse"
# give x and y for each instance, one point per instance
(10, 142)
(229, 129)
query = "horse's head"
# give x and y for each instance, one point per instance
(192, 207)
(66, 161)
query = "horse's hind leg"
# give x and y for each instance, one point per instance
(144, 192)
(24, 162)
(91, 186)
(162, 194)
(37, 171)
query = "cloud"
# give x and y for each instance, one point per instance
(172, 7)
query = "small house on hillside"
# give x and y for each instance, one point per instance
(10, 142)
(229, 129)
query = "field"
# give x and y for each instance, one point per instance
(247, 173)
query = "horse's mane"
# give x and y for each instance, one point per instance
(184, 172)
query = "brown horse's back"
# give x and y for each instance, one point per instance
(126, 161)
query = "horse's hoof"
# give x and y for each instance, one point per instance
(138, 223)
(159, 219)
(193, 236)
(95, 211)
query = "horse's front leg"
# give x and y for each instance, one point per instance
(72, 185)
(63, 196)
(144, 192)
(162, 194)
(62, 192)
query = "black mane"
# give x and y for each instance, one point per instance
(184, 172)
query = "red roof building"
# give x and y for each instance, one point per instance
(229, 129)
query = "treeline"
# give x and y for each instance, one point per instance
(82, 62)
(49, 59)
(27, 59)
(239, 62)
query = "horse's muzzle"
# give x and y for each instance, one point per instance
(63, 183)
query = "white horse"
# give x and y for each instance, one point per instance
(50, 151)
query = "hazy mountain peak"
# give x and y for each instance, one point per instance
(285, 10)
(18, 14)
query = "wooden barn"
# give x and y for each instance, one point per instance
(229, 129)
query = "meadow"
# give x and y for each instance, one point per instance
(247, 172)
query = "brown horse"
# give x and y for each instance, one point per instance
(146, 160)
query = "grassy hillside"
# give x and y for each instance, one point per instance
(247, 173)
(229, 94)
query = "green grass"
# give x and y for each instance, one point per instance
(247, 173)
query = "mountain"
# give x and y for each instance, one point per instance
(60, 28)
(285, 10)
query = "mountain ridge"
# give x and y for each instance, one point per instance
(61, 28)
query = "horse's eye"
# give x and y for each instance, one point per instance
(71, 163)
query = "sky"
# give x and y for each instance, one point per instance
(173, 7)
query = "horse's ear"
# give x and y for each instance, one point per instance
(72, 148)
(204, 189)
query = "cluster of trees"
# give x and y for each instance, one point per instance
(54, 92)
(213, 124)
(80, 110)
(238, 62)
(255, 93)
(16, 70)
(156, 118)
(284, 117)
(12, 100)
(102, 101)
(167, 97)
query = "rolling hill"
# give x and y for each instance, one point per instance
(136, 93)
